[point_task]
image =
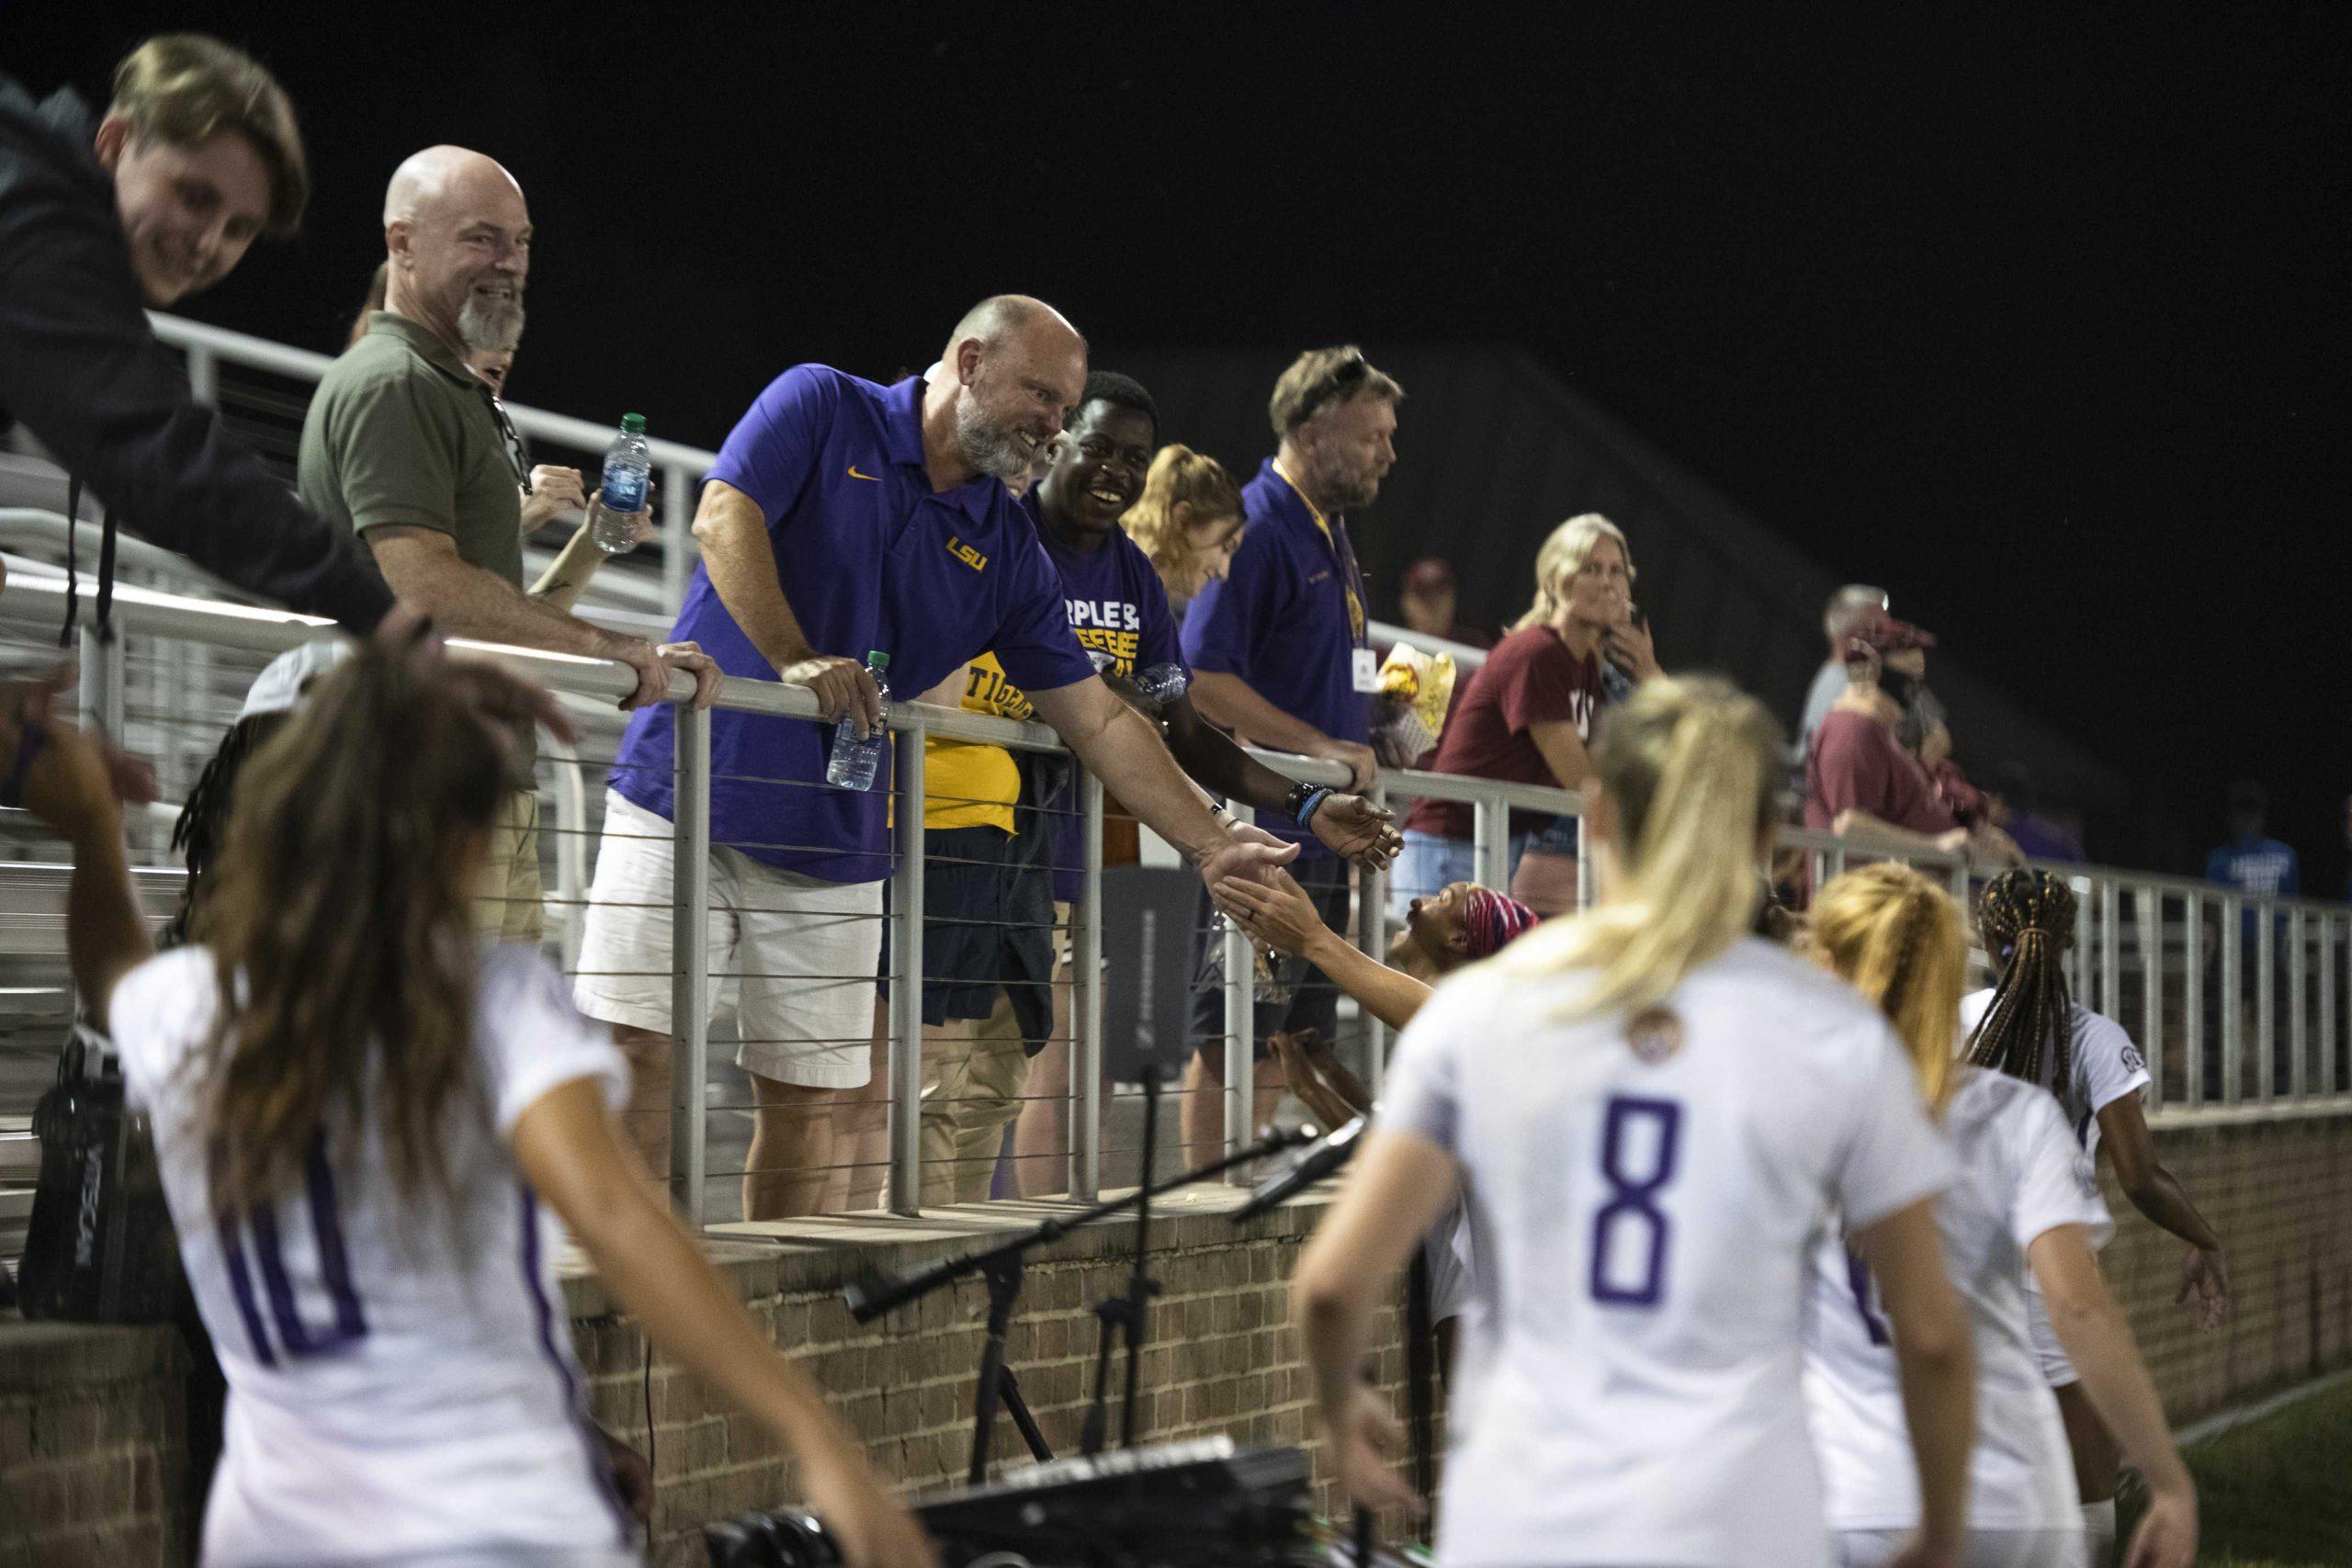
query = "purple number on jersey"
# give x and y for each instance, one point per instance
(296, 1337)
(1633, 1201)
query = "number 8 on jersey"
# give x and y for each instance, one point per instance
(1640, 1140)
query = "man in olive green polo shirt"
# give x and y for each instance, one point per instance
(404, 444)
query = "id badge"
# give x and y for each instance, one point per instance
(1367, 671)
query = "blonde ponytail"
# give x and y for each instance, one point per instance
(1562, 557)
(1690, 767)
(1897, 937)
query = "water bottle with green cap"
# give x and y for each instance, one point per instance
(856, 759)
(629, 478)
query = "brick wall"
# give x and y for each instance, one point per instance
(1220, 1358)
(92, 1466)
(91, 1471)
(2281, 1194)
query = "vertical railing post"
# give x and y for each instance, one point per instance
(2111, 947)
(2327, 1075)
(690, 964)
(1086, 1003)
(2266, 998)
(677, 535)
(101, 680)
(1240, 1042)
(2233, 983)
(2148, 905)
(1372, 922)
(2192, 948)
(2078, 957)
(2299, 1039)
(203, 375)
(1587, 861)
(906, 975)
(1491, 830)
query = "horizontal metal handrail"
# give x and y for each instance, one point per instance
(253, 629)
(307, 364)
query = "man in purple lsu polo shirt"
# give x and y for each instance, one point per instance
(844, 517)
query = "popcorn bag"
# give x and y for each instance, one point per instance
(1416, 689)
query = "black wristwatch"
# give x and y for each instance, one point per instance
(1295, 801)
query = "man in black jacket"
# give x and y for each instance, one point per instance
(198, 154)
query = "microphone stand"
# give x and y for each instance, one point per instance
(1001, 1266)
(1125, 1316)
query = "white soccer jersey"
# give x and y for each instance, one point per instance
(2104, 1064)
(2021, 1174)
(393, 1393)
(1630, 1386)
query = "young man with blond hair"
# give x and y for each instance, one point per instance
(104, 216)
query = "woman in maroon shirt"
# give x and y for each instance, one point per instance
(1529, 709)
(1859, 780)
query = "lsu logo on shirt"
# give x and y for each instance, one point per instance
(967, 554)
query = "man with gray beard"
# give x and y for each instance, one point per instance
(842, 518)
(404, 444)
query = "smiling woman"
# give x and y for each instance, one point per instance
(1188, 519)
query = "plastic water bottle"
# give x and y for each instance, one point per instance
(854, 762)
(628, 474)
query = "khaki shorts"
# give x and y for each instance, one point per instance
(506, 903)
(797, 954)
(973, 1072)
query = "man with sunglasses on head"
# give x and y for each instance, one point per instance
(1280, 657)
(405, 444)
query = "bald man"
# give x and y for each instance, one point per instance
(403, 445)
(844, 518)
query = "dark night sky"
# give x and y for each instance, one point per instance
(2037, 314)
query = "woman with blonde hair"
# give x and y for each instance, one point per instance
(1527, 714)
(2024, 1199)
(1646, 1111)
(1188, 521)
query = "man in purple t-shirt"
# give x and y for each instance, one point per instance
(1119, 613)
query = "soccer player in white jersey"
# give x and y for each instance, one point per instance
(2029, 1027)
(361, 1146)
(1652, 1113)
(2024, 1195)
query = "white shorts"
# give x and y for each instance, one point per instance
(1985, 1547)
(2057, 1369)
(799, 954)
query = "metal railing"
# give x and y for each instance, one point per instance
(2270, 1042)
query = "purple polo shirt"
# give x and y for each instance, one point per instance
(1280, 621)
(1115, 603)
(870, 558)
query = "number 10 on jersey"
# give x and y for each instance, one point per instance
(1640, 1142)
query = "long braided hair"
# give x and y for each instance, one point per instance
(2026, 918)
(203, 826)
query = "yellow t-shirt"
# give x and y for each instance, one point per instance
(969, 786)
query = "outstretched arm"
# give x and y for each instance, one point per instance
(1400, 1184)
(565, 1145)
(71, 783)
(2091, 1327)
(2123, 1134)
(1123, 749)
(1349, 824)
(1279, 914)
